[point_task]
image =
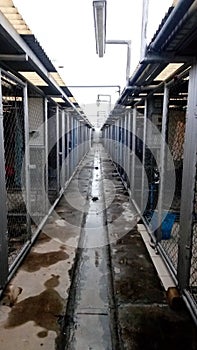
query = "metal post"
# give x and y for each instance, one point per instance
(80, 142)
(77, 141)
(133, 151)
(3, 207)
(110, 140)
(46, 153)
(120, 142)
(67, 146)
(188, 184)
(125, 142)
(144, 155)
(117, 145)
(63, 171)
(27, 163)
(58, 149)
(109, 132)
(84, 139)
(71, 145)
(106, 138)
(128, 159)
(162, 161)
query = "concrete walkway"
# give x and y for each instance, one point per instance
(91, 298)
(89, 281)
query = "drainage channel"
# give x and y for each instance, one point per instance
(89, 322)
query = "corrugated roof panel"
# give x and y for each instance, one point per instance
(34, 45)
(162, 23)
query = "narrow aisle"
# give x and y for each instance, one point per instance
(88, 283)
(90, 307)
(116, 299)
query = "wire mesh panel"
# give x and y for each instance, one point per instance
(193, 270)
(71, 143)
(175, 139)
(138, 159)
(37, 151)
(14, 143)
(66, 146)
(52, 153)
(151, 164)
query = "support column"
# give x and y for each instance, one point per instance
(133, 152)
(144, 156)
(63, 170)
(128, 158)
(3, 207)
(188, 184)
(27, 163)
(67, 146)
(58, 149)
(46, 153)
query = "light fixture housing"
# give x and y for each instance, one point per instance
(100, 14)
(170, 69)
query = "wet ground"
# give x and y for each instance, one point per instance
(89, 281)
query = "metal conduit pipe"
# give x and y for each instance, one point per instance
(173, 20)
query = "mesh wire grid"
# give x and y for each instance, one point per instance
(52, 153)
(37, 151)
(193, 269)
(14, 144)
(175, 140)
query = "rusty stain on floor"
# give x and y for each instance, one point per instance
(43, 310)
(36, 261)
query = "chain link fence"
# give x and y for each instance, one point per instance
(175, 140)
(52, 153)
(14, 144)
(138, 168)
(37, 149)
(193, 269)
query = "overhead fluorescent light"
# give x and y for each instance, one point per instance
(168, 71)
(72, 99)
(100, 12)
(34, 78)
(58, 99)
(57, 78)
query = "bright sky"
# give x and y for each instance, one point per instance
(65, 30)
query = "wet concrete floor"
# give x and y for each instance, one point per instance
(89, 321)
(89, 282)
